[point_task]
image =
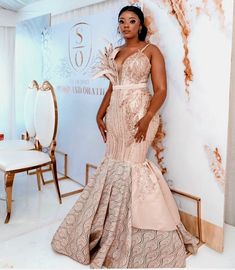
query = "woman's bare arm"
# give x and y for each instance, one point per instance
(102, 112)
(158, 76)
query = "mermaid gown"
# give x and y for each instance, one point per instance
(126, 216)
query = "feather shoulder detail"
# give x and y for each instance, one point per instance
(106, 66)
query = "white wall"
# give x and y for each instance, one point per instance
(230, 169)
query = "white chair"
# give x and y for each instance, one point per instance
(27, 143)
(46, 121)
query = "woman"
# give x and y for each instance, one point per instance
(126, 216)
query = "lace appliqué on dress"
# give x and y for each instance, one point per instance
(135, 105)
(144, 181)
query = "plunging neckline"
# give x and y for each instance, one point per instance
(119, 71)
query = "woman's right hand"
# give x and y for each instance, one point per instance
(102, 128)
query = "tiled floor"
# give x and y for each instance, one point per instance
(25, 241)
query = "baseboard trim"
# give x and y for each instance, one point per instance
(212, 235)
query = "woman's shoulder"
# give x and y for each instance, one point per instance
(153, 47)
(119, 47)
(154, 50)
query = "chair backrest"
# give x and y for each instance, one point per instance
(46, 115)
(29, 104)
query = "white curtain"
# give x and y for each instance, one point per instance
(7, 74)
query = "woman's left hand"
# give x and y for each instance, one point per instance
(142, 127)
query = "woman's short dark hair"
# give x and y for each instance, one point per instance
(142, 35)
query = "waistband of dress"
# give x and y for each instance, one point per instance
(129, 86)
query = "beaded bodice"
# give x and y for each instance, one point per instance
(134, 70)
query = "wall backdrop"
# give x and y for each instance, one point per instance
(195, 38)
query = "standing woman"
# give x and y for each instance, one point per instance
(126, 216)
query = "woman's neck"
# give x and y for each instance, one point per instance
(134, 42)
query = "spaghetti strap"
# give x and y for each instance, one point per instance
(145, 47)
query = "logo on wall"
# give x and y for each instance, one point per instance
(80, 46)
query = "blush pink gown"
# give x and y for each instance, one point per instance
(126, 217)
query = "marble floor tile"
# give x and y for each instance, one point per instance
(33, 250)
(209, 258)
(32, 209)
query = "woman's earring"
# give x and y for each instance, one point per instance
(140, 30)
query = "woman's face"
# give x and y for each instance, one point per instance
(129, 24)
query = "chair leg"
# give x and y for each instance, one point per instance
(54, 172)
(9, 178)
(38, 179)
(41, 174)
